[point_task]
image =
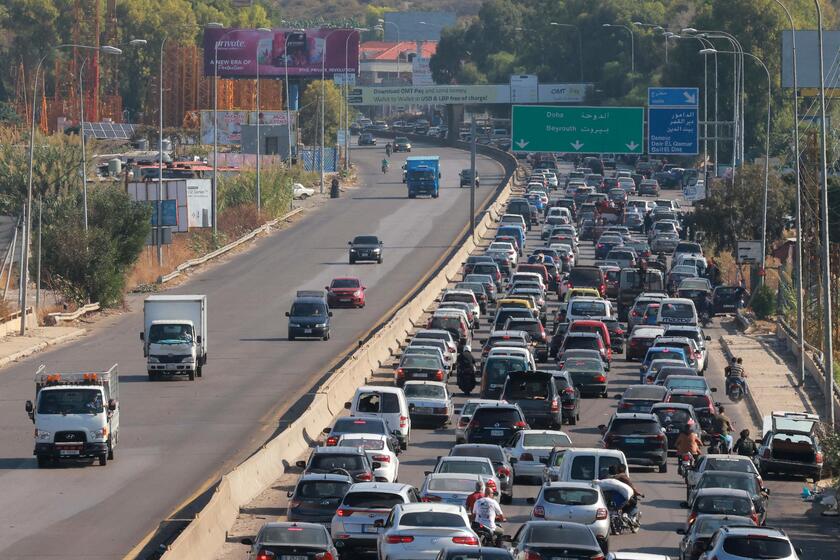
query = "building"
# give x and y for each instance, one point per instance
(391, 63)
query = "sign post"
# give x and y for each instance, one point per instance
(543, 128)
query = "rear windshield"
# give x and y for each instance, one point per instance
(570, 496)
(527, 389)
(583, 467)
(378, 402)
(583, 364)
(698, 402)
(493, 452)
(721, 479)
(367, 444)
(359, 426)
(432, 519)
(372, 500)
(424, 391)
(585, 277)
(723, 505)
(582, 343)
(494, 415)
(330, 461)
(698, 384)
(530, 327)
(497, 369)
(465, 298)
(677, 311)
(635, 426)
(561, 534)
(588, 308)
(672, 416)
(755, 546)
(322, 489)
(446, 323)
(485, 268)
(546, 440)
(293, 535)
(452, 484)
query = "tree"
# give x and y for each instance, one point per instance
(310, 113)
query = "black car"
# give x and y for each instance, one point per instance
(617, 334)
(353, 460)
(495, 423)
(698, 535)
(291, 540)
(309, 316)
(675, 417)
(725, 299)
(419, 367)
(569, 396)
(460, 552)
(466, 178)
(640, 437)
(358, 425)
(641, 398)
(556, 539)
(586, 369)
(504, 470)
(367, 139)
(536, 395)
(536, 332)
(560, 329)
(317, 496)
(365, 248)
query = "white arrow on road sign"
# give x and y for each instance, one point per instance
(522, 143)
(631, 146)
(690, 97)
(577, 145)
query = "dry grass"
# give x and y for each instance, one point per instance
(45, 310)
(147, 270)
(239, 220)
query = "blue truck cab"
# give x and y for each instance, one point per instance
(422, 175)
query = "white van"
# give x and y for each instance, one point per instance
(676, 311)
(585, 464)
(585, 308)
(388, 403)
(523, 353)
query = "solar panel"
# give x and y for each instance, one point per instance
(109, 130)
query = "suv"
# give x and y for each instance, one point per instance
(790, 445)
(353, 460)
(586, 277)
(367, 139)
(309, 315)
(536, 395)
(466, 178)
(365, 248)
(363, 505)
(736, 542)
(316, 496)
(640, 437)
(495, 423)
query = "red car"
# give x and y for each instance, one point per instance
(346, 292)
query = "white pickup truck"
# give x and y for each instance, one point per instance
(76, 415)
(174, 335)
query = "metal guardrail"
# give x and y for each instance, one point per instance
(814, 361)
(222, 250)
(55, 318)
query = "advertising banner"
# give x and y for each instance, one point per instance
(430, 95)
(563, 93)
(421, 73)
(230, 124)
(304, 52)
(173, 189)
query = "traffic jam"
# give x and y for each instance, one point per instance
(561, 396)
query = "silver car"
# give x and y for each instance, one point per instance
(470, 465)
(744, 543)
(449, 488)
(428, 401)
(579, 502)
(420, 531)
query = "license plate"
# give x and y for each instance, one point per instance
(293, 557)
(634, 441)
(422, 409)
(68, 452)
(563, 558)
(307, 331)
(370, 529)
(497, 433)
(421, 375)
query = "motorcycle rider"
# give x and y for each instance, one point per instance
(619, 473)
(688, 442)
(486, 511)
(735, 373)
(745, 445)
(474, 497)
(721, 425)
(388, 149)
(466, 370)
(384, 165)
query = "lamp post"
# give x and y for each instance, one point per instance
(259, 154)
(580, 43)
(323, 103)
(655, 27)
(27, 221)
(288, 98)
(358, 30)
(632, 45)
(383, 23)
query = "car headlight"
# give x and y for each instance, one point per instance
(187, 359)
(42, 435)
(321, 325)
(153, 360)
(294, 325)
(357, 293)
(101, 433)
(377, 250)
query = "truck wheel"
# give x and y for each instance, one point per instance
(352, 260)
(110, 450)
(153, 376)
(435, 195)
(43, 462)
(198, 371)
(379, 260)
(191, 375)
(103, 460)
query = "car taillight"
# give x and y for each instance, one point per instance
(754, 517)
(400, 372)
(399, 539)
(692, 517)
(660, 437)
(503, 471)
(600, 379)
(324, 556)
(599, 246)
(294, 504)
(555, 406)
(332, 440)
(382, 458)
(520, 425)
(539, 511)
(818, 458)
(344, 512)
(625, 405)
(462, 422)
(598, 557)
(430, 498)
(469, 541)
(526, 457)
(439, 375)
(403, 421)
(365, 476)
(602, 513)
(473, 425)
(531, 555)
(266, 555)
(569, 284)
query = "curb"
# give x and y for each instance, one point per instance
(755, 411)
(6, 360)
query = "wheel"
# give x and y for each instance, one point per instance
(103, 460)
(379, 260)
(352, 260)
(435, 195)
(327, 336)
(663, 468)
(43, 462)
(191, 375)
(110, 451)
(573, 420)
(153, 376)
(604, 395)
(506, 500)
(291, 337)
(198, 371)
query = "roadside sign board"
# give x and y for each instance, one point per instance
(545, 128)
(673, 96)
(749, 252)
(673, 131)
(524, 89)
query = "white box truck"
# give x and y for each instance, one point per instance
(76, 415)
(174, 335)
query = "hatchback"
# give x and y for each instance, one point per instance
(743, 543)
(501, 464)
(579, 502)
(722, 502)
(289, 540)
(697, 537)
(556, 539)
(419, 531)
(316, 497)
(352, 526)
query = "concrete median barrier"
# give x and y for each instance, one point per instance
(205, 535)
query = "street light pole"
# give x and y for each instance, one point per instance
(214, 190)
(580, 44)
(347, 95)
(632, 45)
(259, 154)
(323, 103)
(288, 97)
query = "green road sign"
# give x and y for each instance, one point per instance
(592, 130)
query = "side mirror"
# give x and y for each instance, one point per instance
(380, 243)
(765, 491)
(531, 501)
(379, 523)
(602, 429)
(247, 541)
(143, 336)
(348, 405)
(287, 313)
(427, 473)
(112, 405)
(349, 242)
(326, 287)
(289, 494)
(300, 464)
(680, 531)
(708, 338)
(29, 407)
(326, 430)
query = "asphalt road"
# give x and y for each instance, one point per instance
(176, 435)
(662, 514)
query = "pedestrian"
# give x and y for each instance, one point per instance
(745, 446)
(648, 222)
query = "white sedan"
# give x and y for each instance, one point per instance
(299, 191)
(419, 531)
(378, 450)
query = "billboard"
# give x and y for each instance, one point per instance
(230, 124)
(459, 95)
(807, 63)
(303, 51)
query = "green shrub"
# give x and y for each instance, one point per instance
(763, 302)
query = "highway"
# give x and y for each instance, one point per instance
(177, 435)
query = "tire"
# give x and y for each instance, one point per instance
(326, 337)
(291, 337)
(43, 462)
(352, 260)
(379, 260)
(663, 468)
(572, 421)
(191, 375)
(110, 451)
(153, 376)
(507, 500)
(103, 460)
(198, 371)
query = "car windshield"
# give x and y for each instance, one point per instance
(570, 496)
(171, 334)
(372, 500)
(424, 391)
(432, 519)
(466, 467)
(546, 440)
(70, 401)
(725, 464)
(307, 309)
(293, 534)
(345, 283)
(724, 480)
(707, 525)
(327, 462)
(366, 240)
(672, 416)
(526, 389)
(452, 484)
(757, 546)
(322, 489)
(588, 308)
(552, 534)
(698, 384)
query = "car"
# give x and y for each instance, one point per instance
(676, 417)
(419, 367)
(718, 462)
(365, 248)
(353, 460)
(474, 553)
(569, 395)
(649, 187)
(495, 423)
(316, 496)
(418, 531)
(556, 539)
(401, 144)
(429, 402)
(300, 192)
(466, 178)
(435, 348)
(692, 352)
(637, 309)
(309, 316)
(727, 299)
(367, 139)
(640, 398)
(722, 501)
(664, 242)
(640, 437)
(585, 341)
(586, 277)
(641, 339)
(282, 539)
(380, 449)
(790, 445)
(449, 488)
(578, 502)
(701, 400)
(529, 450)
(651, 374)
(465, 414)
(661, 353)
(346, 291)
(497, 456)
(696, 539)
(363, 505)
(463, 296)
(496, 369)
(358, 425)
(749, 482)
(453, 320)
(536, 395)
(586, 371)
(583, 464)
(742, 543)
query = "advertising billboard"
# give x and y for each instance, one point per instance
(230, 124)
(304, 51)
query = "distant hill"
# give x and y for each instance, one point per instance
(328, 9)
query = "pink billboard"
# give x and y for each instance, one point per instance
(304, 51)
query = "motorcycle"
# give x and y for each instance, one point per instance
(384, 168)
(735, 389)
(620, 521)
(717, 445)
(685, 465)
(705, 318)
(486, 537)
(466, 379)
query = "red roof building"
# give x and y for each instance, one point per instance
(385, 63)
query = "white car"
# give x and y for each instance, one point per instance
(420, 531)
(433, 347)
(507, 248)
(428, 401)
(299, 191)
(463, 296)
(576, 502)
(530, 449)
(379, 449)
(466, 415)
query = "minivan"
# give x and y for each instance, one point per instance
(309, 317)
(585, 464)
(383, 402)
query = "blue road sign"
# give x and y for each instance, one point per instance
(169, 212)
(673, 131)
(673, 96)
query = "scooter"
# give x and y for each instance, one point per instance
(686, 464)
(735, 389)
(486, 537)
(384, 168)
